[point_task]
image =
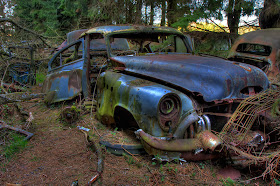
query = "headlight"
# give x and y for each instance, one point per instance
(169, 111)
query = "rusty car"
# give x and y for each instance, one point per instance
(148, 79)
(260, 48)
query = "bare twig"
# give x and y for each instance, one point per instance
(217, 25)
(42, 38)
(100, 164)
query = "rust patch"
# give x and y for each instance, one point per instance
(75, 79)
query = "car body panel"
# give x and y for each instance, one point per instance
(140, 97)
(205, 75)
(265, 37)
(65, 81)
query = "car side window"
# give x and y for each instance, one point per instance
(171, 43)
(180, 45)
(68, 55)
(164, 44)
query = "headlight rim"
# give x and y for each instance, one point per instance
(173, 115)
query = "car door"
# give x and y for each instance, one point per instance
(65, 73)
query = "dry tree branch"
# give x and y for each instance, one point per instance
(217, 25)
(42, 38)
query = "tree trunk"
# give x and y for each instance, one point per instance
(121, 13)
(171, 10)
(163, 13)
(2, 14)
(138, 14)
(127, 18)
(270, 14)
(233, 15)
(130, 12)
(152, 14)
(146, 14)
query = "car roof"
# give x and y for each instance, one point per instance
(269, 37)
(118, 29)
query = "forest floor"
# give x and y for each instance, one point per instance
(58, 154)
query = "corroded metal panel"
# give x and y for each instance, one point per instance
(264, 37)
(141, 98)
(214, 78)
(63, 84)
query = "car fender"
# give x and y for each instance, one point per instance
(139, 97)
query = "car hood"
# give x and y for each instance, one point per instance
(214, 78)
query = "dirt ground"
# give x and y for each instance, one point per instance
(58, 154)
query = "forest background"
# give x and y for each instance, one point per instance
(42, 21)
(58, 17)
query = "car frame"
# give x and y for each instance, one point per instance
(147, 78)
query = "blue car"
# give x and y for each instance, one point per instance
(148, 78)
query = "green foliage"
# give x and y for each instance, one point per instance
(5, 110)
(277, 182)
(275, 108)
(229, 182)
(40, 77)
(54, 17)
(192, 175)
(202, 165)
(131, 160)
(17, 144)
(41, 15)
(115, 131)
(206, 9)
(201, 9)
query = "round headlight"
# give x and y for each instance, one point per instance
(169, 109)
(167, 106)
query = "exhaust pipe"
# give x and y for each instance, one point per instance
(205, 140)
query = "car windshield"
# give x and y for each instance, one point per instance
(143, 43)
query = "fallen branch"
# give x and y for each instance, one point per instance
(95, 146)
(3, 89)
(100, 163)
(14, 87)
(4, 125)
(18, 96)
(42, 38)
(19, 108)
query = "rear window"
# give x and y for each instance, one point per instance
(257, 49)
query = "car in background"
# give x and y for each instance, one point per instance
(148, 80)
(260, 48)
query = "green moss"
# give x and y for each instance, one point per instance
(275, 108)
(108, 100)
(50, 96)
(40, 77)
(17, 144)
(74, 108)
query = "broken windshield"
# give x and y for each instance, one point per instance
(143, 43)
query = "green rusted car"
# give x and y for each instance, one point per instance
(147, 79)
